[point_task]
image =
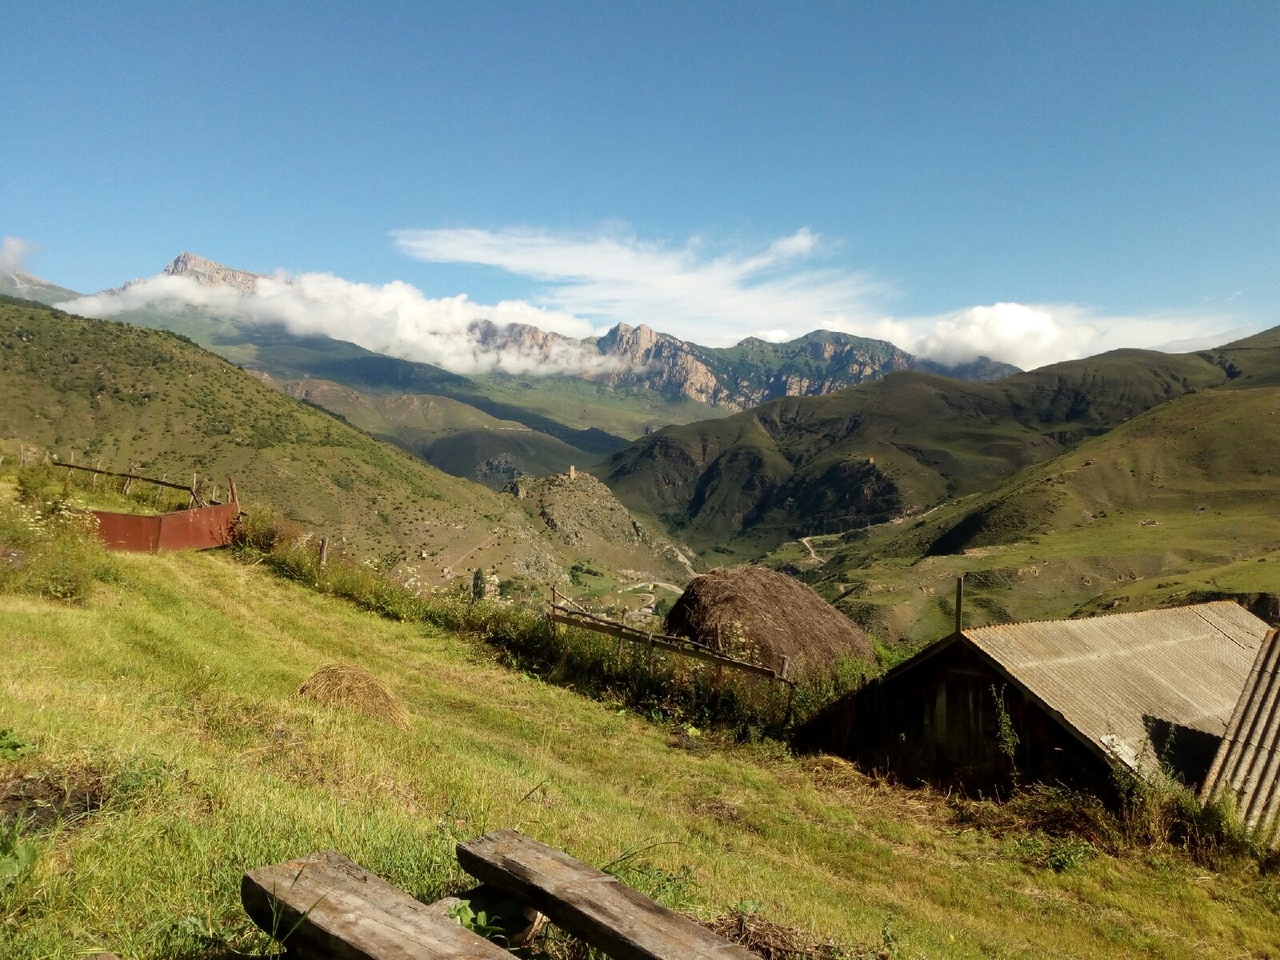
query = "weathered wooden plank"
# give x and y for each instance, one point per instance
(673, 644)
(590, 903)
(325, 907)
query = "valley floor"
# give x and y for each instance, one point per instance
(165, 729)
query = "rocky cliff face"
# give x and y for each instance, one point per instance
(656, 361)
(756, 371)
(211, 274)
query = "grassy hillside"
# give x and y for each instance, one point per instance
(450, 435)
(592, 417)
(886, 449)
(118, 395)
(1177, 504)
(157, 726)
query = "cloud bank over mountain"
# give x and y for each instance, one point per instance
(13, 254)
(781, 290)
(395, 318)
(709, 294)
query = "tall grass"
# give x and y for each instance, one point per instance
(48, 534)
(664, 686)
(50, 549)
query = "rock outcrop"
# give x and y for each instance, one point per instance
(211, 274)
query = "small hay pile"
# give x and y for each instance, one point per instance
(760, 615)
(773, 941)
(354, 688)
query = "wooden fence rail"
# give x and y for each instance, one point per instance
(559, 614)
(185, 487)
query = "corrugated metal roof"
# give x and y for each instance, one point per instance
(1248, 762)
(1108, 677)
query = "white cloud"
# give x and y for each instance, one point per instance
(690, 291)
(1025, 336)
(1031, 336)
(776, 292)
(13, 254)
(395, 319)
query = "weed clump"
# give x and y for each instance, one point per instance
(50, 549)
(351, 687)
(1057, 827)
(1159, 813)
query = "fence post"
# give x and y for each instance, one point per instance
(324, 552)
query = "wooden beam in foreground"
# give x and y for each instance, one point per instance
(325, 907)
(590, 903)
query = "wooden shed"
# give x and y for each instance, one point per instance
(1060, 701)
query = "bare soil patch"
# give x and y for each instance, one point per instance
(42, 800)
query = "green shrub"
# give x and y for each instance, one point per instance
(50, 550)
(1158, 813)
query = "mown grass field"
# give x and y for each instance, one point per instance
(165, 703)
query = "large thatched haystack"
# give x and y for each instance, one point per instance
(761, 615)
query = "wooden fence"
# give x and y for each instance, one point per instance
(559, 613)
(195, 488)
(203, 526)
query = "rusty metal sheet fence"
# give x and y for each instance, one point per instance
(202, 526)
(200, 529)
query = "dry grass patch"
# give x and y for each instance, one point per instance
(344, 686)
(773, 941)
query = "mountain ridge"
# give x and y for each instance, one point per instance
(896, 446)
(639, 357)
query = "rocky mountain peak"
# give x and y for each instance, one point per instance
(211, 274)
(632, 343)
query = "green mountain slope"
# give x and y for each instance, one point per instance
(885, 449)
(450, 435)
(1176, 504)
(825, 361)
(122, 395)
(284, 357)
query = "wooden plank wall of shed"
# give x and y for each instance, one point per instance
(939, 723)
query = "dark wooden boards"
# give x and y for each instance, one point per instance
(590, 903)
(325, 907)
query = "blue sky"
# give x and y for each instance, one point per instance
(1044, 179)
